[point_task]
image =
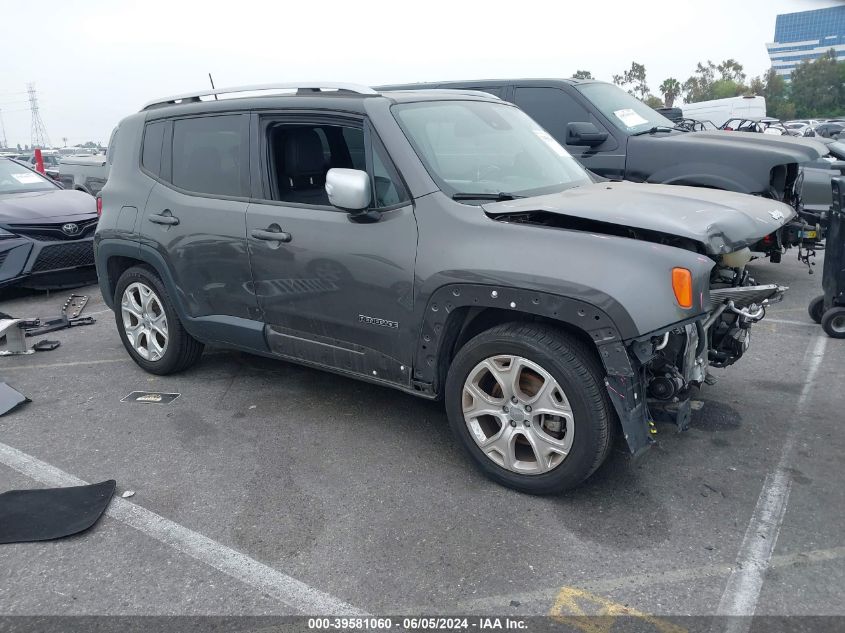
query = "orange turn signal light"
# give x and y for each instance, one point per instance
(682, 286)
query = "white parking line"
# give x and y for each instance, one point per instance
(789, 322)
(296, 594)
(104, 361)
(746, 580)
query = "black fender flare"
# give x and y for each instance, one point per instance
(604, 331)
(624, 384)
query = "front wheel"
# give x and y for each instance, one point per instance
(149, 326)
(529, 405)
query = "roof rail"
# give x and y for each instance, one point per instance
(317, 86)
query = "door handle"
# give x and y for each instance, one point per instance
(271, 236)
(165, 218)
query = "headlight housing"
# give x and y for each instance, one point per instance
(5, 235)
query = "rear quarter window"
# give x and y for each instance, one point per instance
(208, 154)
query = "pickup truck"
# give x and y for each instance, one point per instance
(86, 173)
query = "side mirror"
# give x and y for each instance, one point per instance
(348, 189)
(584, 133)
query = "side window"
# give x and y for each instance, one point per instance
(387, 186)
(300, 155)
(207, 154)
(151, 151)
(552, 108)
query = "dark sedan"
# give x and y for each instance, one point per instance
(45, 232)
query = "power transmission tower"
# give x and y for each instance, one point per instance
(39, 132)
(3, 142)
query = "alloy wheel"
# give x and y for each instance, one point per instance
(518, 414)
(144, 321)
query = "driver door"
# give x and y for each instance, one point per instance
(336, 289)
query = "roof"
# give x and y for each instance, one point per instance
(350, 99)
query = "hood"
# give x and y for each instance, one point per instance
(802, 149)
(721, 221)
(733, 161)
(39, 206)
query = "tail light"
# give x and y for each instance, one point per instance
(682, 286)
(99, 206)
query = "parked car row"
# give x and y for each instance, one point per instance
(442, 241)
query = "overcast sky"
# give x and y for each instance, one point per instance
(95, 61)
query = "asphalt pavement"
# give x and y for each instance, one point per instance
(268, 488)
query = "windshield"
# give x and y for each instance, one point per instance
(15, 178)
(488, 148)
(624, 111)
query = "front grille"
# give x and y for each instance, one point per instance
(53, 232)
(61, 256)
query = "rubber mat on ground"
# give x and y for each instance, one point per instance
(50, 513)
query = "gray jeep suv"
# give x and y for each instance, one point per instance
(439, 242)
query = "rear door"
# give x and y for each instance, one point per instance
(196, 212)
(554, 108)
(337, 290)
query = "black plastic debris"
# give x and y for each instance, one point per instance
(10, 399)
(46, 345)
(50, 513)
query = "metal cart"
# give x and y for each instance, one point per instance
(829, 308)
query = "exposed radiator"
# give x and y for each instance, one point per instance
(744, 296)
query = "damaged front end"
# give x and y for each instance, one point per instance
(668, 367)
(653, 376)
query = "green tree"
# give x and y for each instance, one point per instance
(634, 81)
(724, 88)
(699, 86)
(653, 101)
(582, 74)
(817, 88)
(670, 89)
(773, 87)
(731, 70)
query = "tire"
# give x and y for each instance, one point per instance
(533, 352)
(816, 309)
(833, 322)
(179, 351)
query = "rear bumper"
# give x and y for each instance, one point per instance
(44, 264)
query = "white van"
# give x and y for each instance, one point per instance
(720, 110)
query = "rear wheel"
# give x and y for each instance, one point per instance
(149, 326)
(528, 403)
(833, 322)
(816, 309)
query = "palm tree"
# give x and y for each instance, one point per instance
(670, 89)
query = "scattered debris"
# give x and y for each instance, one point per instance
(10, 399)
(12, 329)
(150, 397)
(253, 406)
(75, 304)
(45, 345)
(61, 322)
(128, 493)
(49, 513)
(515, 603)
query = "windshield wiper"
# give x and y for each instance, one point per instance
(497, 197)
(656, 128)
